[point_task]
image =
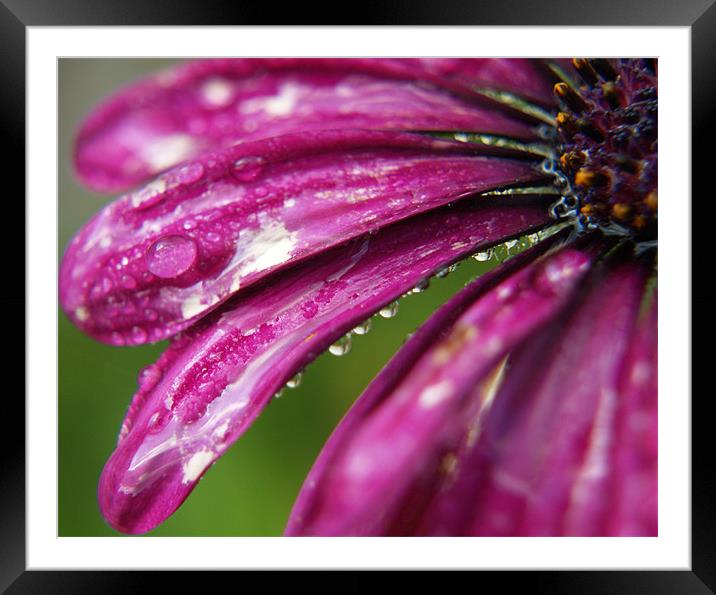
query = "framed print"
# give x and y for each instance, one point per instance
(234, 211)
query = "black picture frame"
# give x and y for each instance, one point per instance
(17, 15)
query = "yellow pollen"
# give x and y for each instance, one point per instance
(587, 177)
(639, 222)
(651, 200)
(621, 211)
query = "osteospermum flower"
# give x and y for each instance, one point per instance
(291, 200)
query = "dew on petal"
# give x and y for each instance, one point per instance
(149, 377)
(389, 311)
(150, 194)
(128, 282)
(171, 256)
(442, 273)
(247, 168)
(421, 287)
(363, 328)
(342, 346)
(188, 174)
(484, 256)
(510, 244)
(295, 382)
(139, 335)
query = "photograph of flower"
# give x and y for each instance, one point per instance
(477, 236)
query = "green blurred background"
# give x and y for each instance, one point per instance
(250, 490)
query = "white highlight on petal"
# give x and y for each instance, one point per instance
(196, 465)
(263, 248)
(163, 152)
(217, 92)
(281, 104)
(436, 393)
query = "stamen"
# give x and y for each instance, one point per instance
(611, 95)
(585, 71)
(604, 68)
(587, 178)
(570, 98)
(607, 168)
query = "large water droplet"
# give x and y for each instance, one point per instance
(295, 382)
(187, 174)
(389, 311)
(363, 328)
(484, 256)
(342, 346)
(247, 168)
(171, 256)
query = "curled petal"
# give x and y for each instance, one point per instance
(157, 259)
(380, 451)
(214, 380)
(175, 116)
(541, 460)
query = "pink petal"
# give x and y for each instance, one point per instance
(208, 387)
(521, 76)
(542, 463)
(157, 259)
(376, 460)
(174, 116)
(634, 510)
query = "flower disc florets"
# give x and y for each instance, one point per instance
(608, 145)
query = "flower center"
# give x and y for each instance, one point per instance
(608, 145)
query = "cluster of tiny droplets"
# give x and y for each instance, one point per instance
(607, 167)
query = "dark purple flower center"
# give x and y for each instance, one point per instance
(608, 146)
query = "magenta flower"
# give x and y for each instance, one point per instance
(305, 196)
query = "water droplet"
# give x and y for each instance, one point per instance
(420, 287)
(279, 394)
(261, 191)
(213, 237)
(442, 273)
(295, 382)
(151, 194)
(149, 377)
(342, 346)
(510, 245)
(484, 256)
(389, 311)
(363, 328)
(139, 335)
(151, 314)
(171, 256)
(189, 173)
(128, 282)
(189, 224)
(101, 288)
(247, 168)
